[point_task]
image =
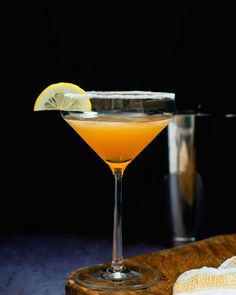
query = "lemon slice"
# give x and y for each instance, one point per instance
(53, 98)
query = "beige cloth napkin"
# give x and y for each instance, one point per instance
(208, 280)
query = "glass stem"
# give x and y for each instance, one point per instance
(117, 249)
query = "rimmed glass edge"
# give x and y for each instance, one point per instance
(122, 95)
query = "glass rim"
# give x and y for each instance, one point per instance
(122, 95)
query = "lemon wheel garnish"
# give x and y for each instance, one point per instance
(53, 98)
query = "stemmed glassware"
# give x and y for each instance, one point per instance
(118, 127)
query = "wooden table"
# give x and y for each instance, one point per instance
(170, 263)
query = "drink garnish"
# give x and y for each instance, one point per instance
(56, 97)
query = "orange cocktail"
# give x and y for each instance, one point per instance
(117, 125)
(118, 139)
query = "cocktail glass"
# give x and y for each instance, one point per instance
(118, 127)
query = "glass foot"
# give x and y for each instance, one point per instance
(102, 277)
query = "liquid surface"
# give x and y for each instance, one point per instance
(118, 139)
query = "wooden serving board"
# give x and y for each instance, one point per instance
(170, 263)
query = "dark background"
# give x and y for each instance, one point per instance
(51, 181)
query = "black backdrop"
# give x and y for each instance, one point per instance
(51, 180)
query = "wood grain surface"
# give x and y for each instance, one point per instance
(170, 264)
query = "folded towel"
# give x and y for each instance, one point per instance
(208, 280)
